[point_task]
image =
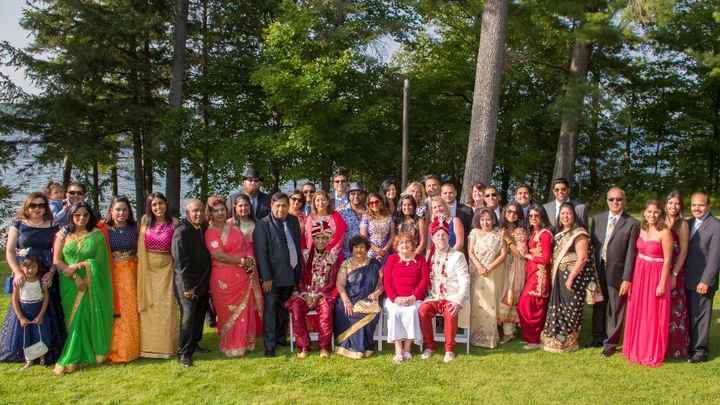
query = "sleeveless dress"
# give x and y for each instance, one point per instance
(35, 242)
(125, 346)
(679, 324)
(88, 313)
(647, 322)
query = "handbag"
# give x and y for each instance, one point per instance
(35, 350)
(366, 307)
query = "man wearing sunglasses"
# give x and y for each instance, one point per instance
(75, 193)
(613, 234)
(561, 191)
(340, 189)
(308, 190)
(491, 197)
(259, 201)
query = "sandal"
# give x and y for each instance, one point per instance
(398, 359)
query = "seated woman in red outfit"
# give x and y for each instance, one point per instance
(316, 290)
(406, 281)
(647, 322)
(533, 303)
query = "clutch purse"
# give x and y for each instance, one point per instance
(366, 307)
(36, 349)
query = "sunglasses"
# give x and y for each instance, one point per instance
(374, 202)
(33, 206)
(75, 193)
(560, 190)
(613, 199)
(491, 195)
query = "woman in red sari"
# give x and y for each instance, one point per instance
(532, 306)
(234, 285)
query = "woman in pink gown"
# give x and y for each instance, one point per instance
(234, 284)
(647, 322)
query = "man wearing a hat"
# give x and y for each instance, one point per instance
(316, 290)
(353, 213)
(259, 201)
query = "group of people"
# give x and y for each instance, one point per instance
(86, 290)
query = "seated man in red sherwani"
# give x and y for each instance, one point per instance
(316, 290)
(449, 282)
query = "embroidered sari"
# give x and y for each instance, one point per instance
(354, 333)
(565, 310)
(235, 293)
(485, 290)
(88, 313)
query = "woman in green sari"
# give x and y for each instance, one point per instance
(81, 255)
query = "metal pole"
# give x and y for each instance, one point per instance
(405, 131)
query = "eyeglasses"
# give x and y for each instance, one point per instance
(615, 199)
(33, 206)
(490, 195)
(73, 193)
(79, 215)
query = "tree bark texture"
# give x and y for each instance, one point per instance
(486, 96)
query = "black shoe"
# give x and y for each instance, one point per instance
(269, 353)
(609, 351)
(200, 349)
(697, 358)
(186, 362)
(594, 343)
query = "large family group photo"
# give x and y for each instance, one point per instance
(89, 289)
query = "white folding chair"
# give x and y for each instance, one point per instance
(314, 336)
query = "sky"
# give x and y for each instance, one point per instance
(10, 30)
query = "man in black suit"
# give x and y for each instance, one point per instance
(614, 234)
(523, 196)
(561, 191)
(259, 201)
(277, 254)
(192, 278)
(457, 209)
(701, 274)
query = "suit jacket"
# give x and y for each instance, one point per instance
(703, 257)
(261, 209)
(191, 256)
(271, 251)
(580, 213)
(465, 214)
(621, 250)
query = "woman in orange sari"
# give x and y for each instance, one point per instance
(122, 237)
(234, 284)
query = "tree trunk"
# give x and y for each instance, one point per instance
(593, 137)
(96, 186)
(114, 179)
(572, 110)
(67, 170)
(205, 106)
(486, 96)
(172, 176)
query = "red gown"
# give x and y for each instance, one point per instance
(532, 306)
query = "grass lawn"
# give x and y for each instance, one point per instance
(505, 375)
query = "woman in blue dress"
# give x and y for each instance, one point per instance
(359, 285)
(32, 235)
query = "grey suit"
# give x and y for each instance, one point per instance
(702, 265)
(580, 213)
(609, 314)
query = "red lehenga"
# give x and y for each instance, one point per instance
(533, 303)
(235, 292)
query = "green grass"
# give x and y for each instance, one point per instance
(506, 375)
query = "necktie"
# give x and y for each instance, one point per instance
(291, 246)
(608, 234)
(696, 225)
